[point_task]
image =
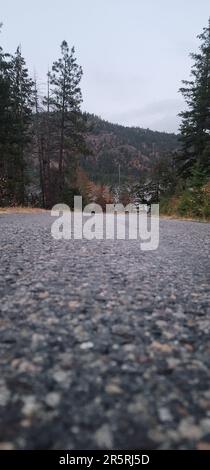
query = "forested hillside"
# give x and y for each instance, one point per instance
(132, 151)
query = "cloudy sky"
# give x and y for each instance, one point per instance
(134, 53)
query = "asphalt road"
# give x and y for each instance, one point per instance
(103, 345)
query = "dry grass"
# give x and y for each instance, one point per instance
(21, 210)
(184, 218)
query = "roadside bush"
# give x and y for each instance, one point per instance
(185, 204)
(168, 205)
(193, 202)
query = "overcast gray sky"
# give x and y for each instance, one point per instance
(134, 53)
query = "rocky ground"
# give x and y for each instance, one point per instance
(103, 345)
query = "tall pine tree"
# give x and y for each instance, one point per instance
(22, 96)
(6, 133)
(195, 127)
(65, 100)
(16, 102)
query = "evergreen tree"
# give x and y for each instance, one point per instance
(22, 97)
(65, 100)
(5, 124)
(39, 143)
(195, 127)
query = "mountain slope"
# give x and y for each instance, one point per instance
(136, 150)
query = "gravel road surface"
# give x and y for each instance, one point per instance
(103, 345)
